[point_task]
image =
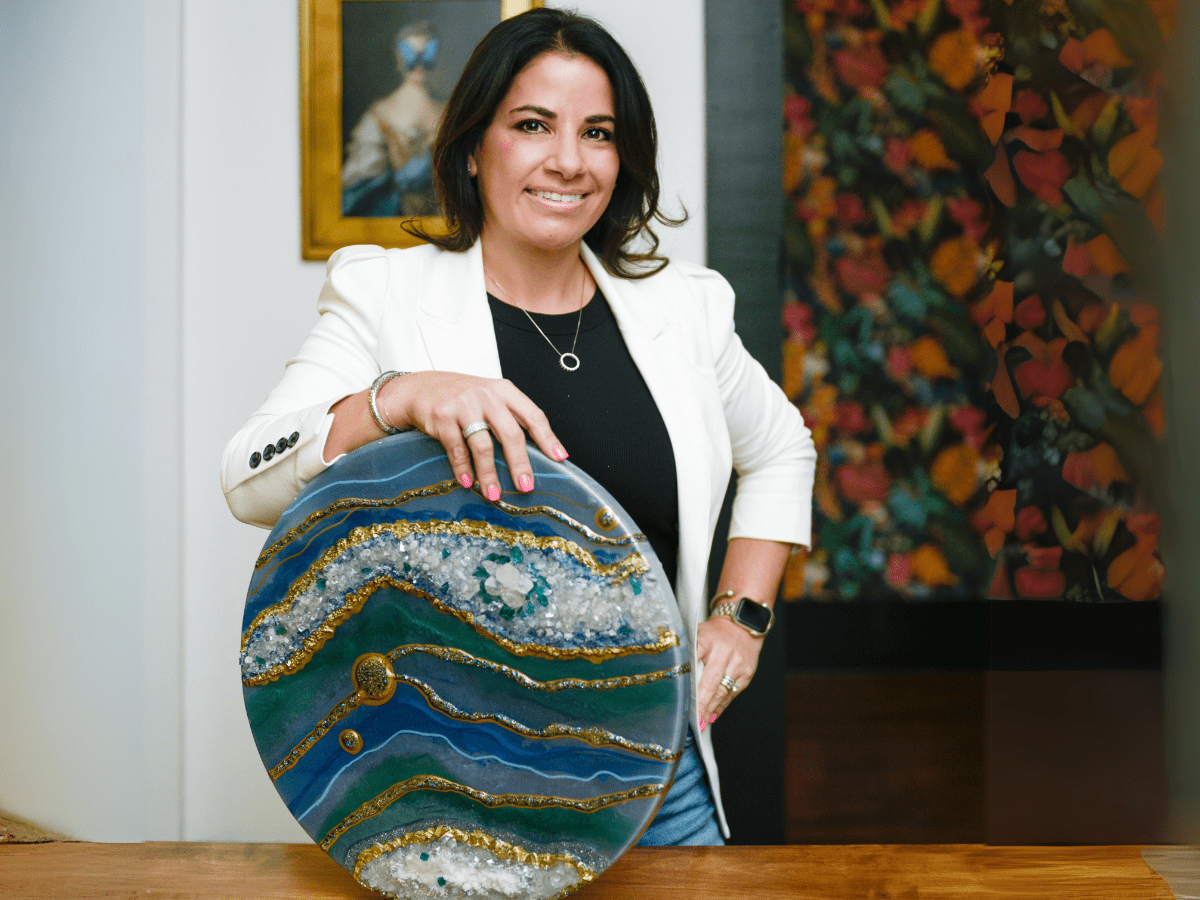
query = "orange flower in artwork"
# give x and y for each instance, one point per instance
(1090, 109)
(955, 473)
(794, 353)
(819, 412)
(1135, 367)
(997, 519)
(994, 311)
(929, 566)
(1137, 573)
(1104, 256)
(955, 263)
(1098, 47)
(999, 175)
(819, 205)
(955, 57)
(1134, 161)
(793, 161)
(929, 358)
(992, 104)
(928, 152)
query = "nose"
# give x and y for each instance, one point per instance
(566, 160)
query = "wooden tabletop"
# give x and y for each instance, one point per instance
(182, 871)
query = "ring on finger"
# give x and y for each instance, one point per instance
(478, 425)
(729, 684)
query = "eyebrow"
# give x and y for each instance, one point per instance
(549, 114)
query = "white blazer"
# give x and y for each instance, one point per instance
(424, 308)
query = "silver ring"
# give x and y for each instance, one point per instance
(729, 684)
(474, 427)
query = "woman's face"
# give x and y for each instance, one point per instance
(547, 164)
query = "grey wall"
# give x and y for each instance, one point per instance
(744, 53)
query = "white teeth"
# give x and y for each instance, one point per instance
(560, 198)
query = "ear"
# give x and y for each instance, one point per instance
(472, 168)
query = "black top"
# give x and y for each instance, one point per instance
(602, 412)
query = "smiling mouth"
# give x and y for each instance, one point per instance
(557, 198)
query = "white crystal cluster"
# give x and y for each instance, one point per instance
(526, 595)
(452, 870)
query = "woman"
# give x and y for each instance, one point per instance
(545, 168)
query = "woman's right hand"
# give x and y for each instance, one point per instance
(442, 404)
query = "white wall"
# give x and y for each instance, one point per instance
(73, 554)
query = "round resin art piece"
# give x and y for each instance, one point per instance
(458, 698)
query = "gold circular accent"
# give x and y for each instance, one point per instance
(606, 519)
(351, 741)
(374, 678)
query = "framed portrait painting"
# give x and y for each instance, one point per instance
(375, 75)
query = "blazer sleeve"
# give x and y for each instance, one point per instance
(773, 451)
(336, 359)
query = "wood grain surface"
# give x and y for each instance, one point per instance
(183, 871)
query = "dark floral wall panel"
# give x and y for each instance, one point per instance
(973, 265)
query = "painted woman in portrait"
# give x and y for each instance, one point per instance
(387, 170)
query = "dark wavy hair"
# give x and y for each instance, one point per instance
(501, 55)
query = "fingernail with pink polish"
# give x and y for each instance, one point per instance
(525, 483)
(493, 492)
(702, 725)
(559, 453)
(465, 480)
(713, 719)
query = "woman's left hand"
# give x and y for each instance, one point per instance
(726, 649)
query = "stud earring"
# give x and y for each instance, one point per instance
(471, 169)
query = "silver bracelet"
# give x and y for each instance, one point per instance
(372, 401)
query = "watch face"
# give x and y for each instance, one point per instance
(753, 615)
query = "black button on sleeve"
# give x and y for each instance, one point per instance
(268, 451)
(255, 459)
(295, 436)
(281, 445)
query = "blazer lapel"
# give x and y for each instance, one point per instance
(454, 319)
(653, 339)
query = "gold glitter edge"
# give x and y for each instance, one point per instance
(351, 503)
(377, 805)
(435, 490)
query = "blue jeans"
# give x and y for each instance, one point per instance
(687, 816)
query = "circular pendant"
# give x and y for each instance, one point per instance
(568, 361)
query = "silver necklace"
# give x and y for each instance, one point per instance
(568, 360)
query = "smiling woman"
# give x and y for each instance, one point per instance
(544, 312)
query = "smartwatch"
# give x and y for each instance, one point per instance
(755, 617)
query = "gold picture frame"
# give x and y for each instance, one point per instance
(361, 105)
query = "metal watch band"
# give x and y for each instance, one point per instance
(731, 610)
